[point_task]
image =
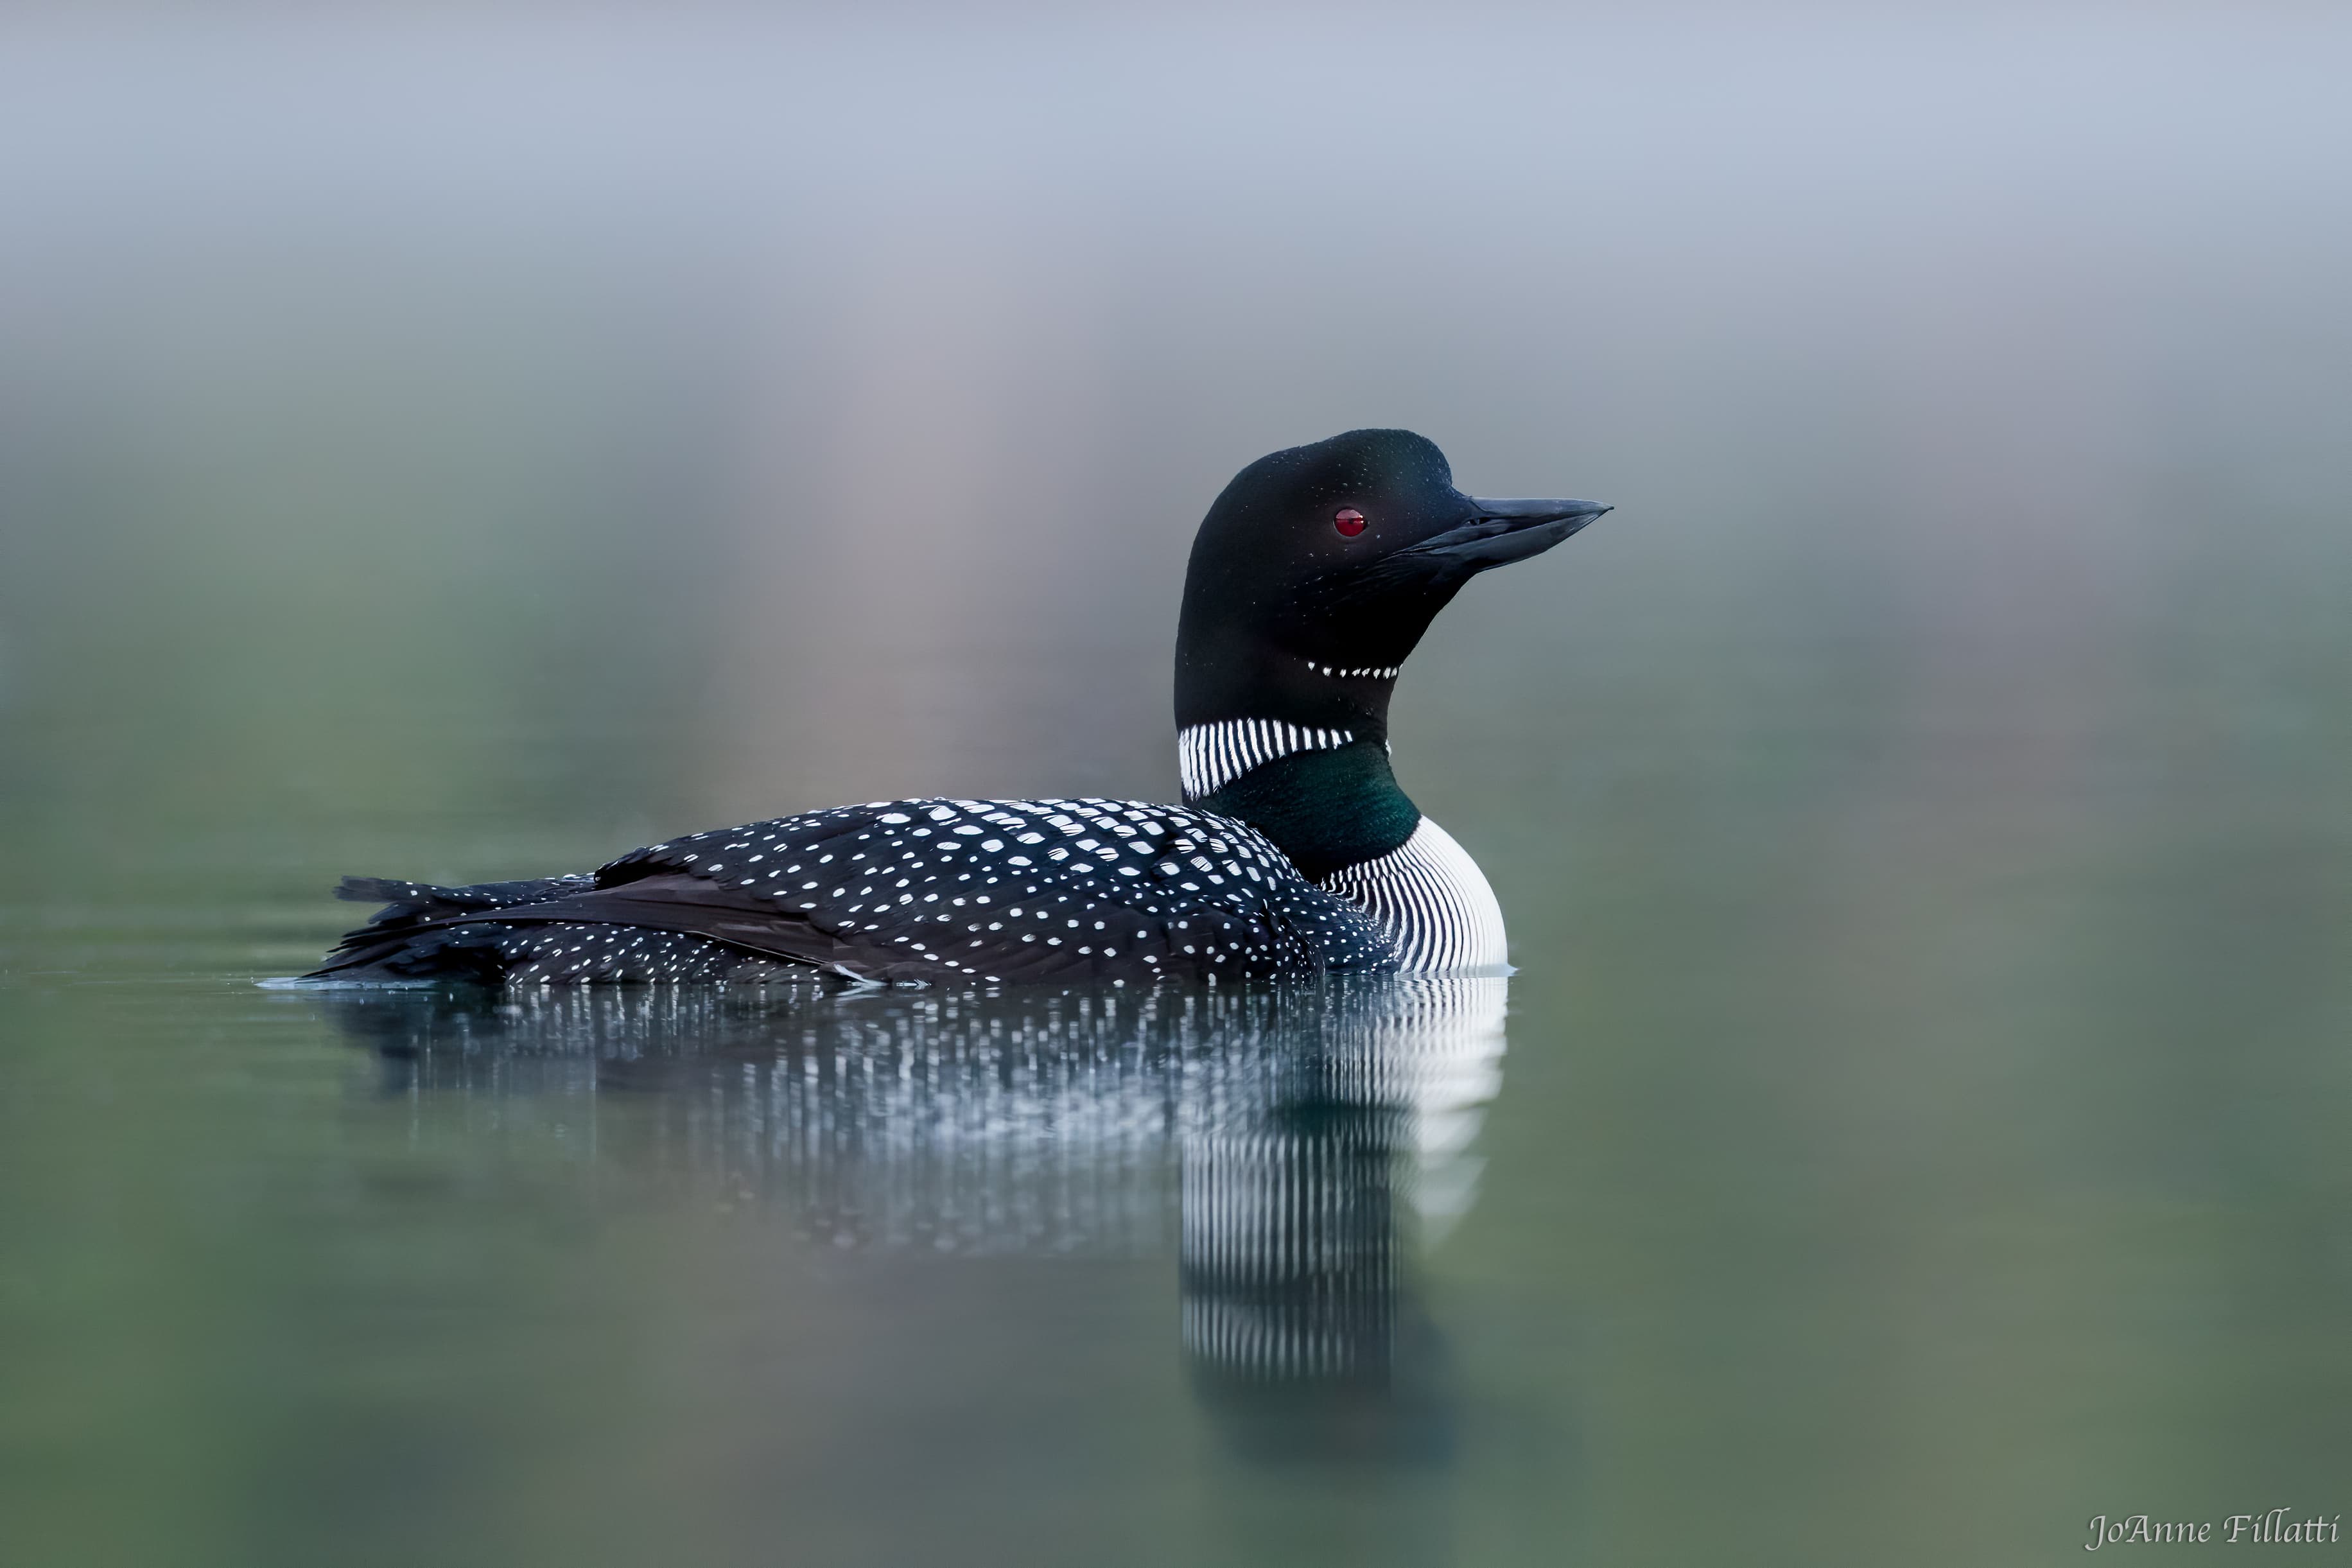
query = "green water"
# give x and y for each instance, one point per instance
(1923, 811)
(1908, 1145)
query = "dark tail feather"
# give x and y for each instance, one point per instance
(428, 934)
(412, 901)
(443, 953)
(407, 905)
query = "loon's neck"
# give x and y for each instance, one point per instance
(1325, 797)
(1295, 745)
(1332, 806)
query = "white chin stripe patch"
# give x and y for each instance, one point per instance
(1432, 900)
(1211, 756)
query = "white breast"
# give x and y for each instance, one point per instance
(1432, 898)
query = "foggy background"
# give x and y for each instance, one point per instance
(847, 394)
(465, 443)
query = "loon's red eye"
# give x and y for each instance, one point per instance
(1349, 520)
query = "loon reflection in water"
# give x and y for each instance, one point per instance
(1310, 1139)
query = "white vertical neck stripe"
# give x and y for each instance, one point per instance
(1211, 756)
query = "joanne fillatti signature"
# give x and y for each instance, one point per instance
(2275, 1528)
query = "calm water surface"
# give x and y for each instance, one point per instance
(1887, 1179)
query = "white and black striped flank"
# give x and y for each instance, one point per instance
(1432, 900)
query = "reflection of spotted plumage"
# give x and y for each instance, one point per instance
(1050, 1119)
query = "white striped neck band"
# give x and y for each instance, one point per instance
(1211, 756)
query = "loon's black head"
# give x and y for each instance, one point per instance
(1318, 569)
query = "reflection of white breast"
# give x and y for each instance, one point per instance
(1432, 898)
(1301, 1211)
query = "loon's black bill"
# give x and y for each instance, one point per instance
(1503, 532)
(1530, 512)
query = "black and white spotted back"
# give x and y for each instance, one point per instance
(931, 891)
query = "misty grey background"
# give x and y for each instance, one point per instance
(466, 444)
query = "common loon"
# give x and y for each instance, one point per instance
(1295, 853)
